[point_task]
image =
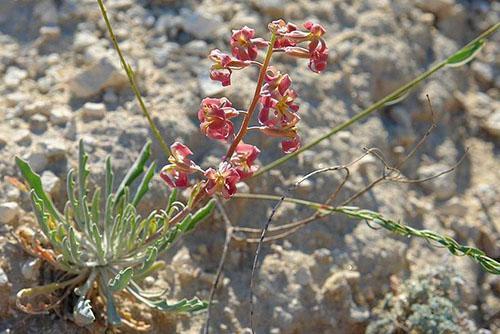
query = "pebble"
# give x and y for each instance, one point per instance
(50, 32)
(22, 137)
(102, 74)
(37, 107)
(444, 186)
(60, 115)
(197, 48)
(9, 212)
(38, 123)
(209, 87)
(51, 183)
(14, 76)
(93, 111)
(37, 161)
(492, 124)
(200, 24)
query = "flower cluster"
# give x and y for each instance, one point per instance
(277, 117)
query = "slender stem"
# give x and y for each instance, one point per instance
(246, 121)
(133, 83)
(389, 98)
(489, 264)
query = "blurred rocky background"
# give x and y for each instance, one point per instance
(61, 81)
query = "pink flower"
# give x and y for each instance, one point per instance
(275, 80)
(244, 158)
(173, 177)
(277, 98)
(243, 44)
(214, 115)
(222, 181)
(224, 65)
(292, 141)
(176, 173)
(318, 58)
(288, 37)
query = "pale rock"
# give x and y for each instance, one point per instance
(162, 54)
(492, 124)
(442, 187)
(31, 269)
(53, 149)
(4, 280)
(483, 72)
(70, 130)
(201, 25)
(51, 183)
(22, 137)
(84, 39)
(45, 12)
(60, 115)
(37, 161)
(93, 111)
(37, 107)
(440, 8)
(208, 86)
(9, 212)
(103, 74)
(15, 98)
(38, 123)
(454, 207)
(50, 32)
(44, 84)
(197, 48)
(14, 76)
(274, 8)
(110, 96)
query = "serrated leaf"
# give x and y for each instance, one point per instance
(121, 280)
(135, 170)
(465, 54)
(35, 183)
(182, 306)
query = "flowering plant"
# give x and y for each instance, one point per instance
(277, 117)
(110, 253)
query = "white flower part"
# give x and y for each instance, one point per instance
(82, 313)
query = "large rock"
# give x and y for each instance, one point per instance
(104, 73)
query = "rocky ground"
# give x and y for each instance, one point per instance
(60, 81)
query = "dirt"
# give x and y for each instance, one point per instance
(60, 81)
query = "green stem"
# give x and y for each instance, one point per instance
(489, 264)
(251, 109)
(389, 98)
(133, 83)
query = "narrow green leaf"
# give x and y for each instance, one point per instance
(74, 245)
(121, 280)
(466, 54)
(83, 172)
(171, 199)
(96, 203)
(135, 170)
(35, 184)
(144, 186)
(109, 177)
(96, 236)
(201, 214)
(151, 255)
